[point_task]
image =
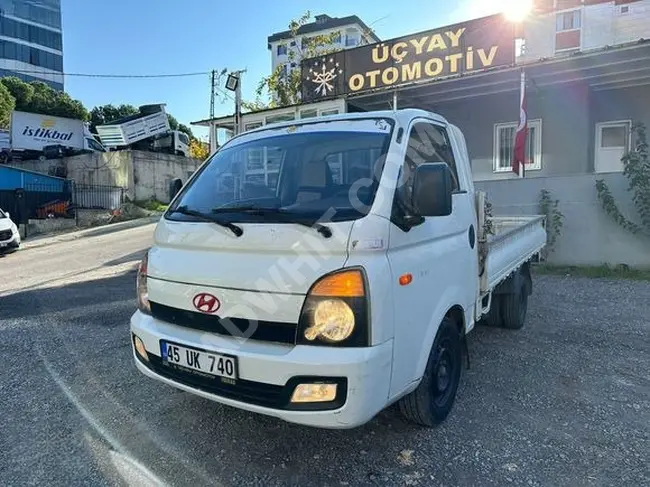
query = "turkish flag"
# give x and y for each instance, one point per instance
(519, 155)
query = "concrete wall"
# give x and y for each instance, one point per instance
(144, 175)
(589, 236)
(153, 172)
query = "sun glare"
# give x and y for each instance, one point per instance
(516, 10)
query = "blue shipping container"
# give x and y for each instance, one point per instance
(12, 178)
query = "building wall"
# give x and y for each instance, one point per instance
(144, 175)
(588, 236)
(153, 173)
(603, 23)
(31, 46)
(565, 127)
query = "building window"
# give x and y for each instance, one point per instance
(284, 117)
(567, 21)
(282, 49)
(351, 40)
(504, 145)
(308, 113)
(253, 125)
(333, 111)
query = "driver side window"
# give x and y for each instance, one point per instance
(427, 143)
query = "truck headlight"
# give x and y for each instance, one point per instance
(141, 286)
(336, 311)
(333, 321)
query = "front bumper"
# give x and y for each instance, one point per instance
(268, 372)
(12, 243)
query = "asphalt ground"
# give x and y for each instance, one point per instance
(564, 401)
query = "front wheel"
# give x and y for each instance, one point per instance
(432, 401)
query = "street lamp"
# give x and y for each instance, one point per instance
(233, 84)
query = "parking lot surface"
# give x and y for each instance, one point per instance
(565, 401)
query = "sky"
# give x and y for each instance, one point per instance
(145, 37)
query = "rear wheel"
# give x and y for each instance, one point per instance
(514, 307)
(432, 401)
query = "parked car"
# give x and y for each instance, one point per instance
(9, 235)
(329, 296)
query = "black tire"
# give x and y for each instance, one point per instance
(514, 307)
(432, 401)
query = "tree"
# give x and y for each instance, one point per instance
(199, 150)
(184, 128)
(103, 114)
(636, 168)
(21, 91)
(173, 123)
(7, 105)
(37, 97)
(283, 87)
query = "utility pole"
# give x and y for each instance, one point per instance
(234, 84)
(213, 85)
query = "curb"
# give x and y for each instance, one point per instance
(91, 232)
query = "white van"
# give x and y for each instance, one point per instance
(320, 270)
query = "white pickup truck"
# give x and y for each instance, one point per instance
(318, 271)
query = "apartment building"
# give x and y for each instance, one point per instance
(564, 26)
(31, 41)
(350, 31)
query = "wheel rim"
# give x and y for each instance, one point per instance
(444, 373)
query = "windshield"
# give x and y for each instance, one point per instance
(304, 170)
(2, 214)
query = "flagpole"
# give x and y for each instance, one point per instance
(522, 94)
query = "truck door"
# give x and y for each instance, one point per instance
(440, 254)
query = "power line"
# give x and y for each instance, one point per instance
(98, 75)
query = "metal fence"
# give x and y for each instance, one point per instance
(58, 200)
(95, 196)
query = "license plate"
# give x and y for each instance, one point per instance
(3, 244)
(199, 360)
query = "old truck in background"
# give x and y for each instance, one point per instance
(148, 130)
(34, 136)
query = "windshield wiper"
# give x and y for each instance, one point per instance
(207, 217)
(284, 215)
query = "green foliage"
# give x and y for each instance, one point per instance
(152, 205)
(103, 114)
(21, 91)
(37, 97)
(7, 104)
(184, 128)
(554, 219)
(621, 271)
(173, 123)
(285, 89)
(636, 168)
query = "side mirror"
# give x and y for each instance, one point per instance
(432, 189)
(8, 214)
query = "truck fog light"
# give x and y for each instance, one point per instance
(314, 393)
(139, 347)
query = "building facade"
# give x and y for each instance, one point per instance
(350, 32)
(565, 26)
(31, 41)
